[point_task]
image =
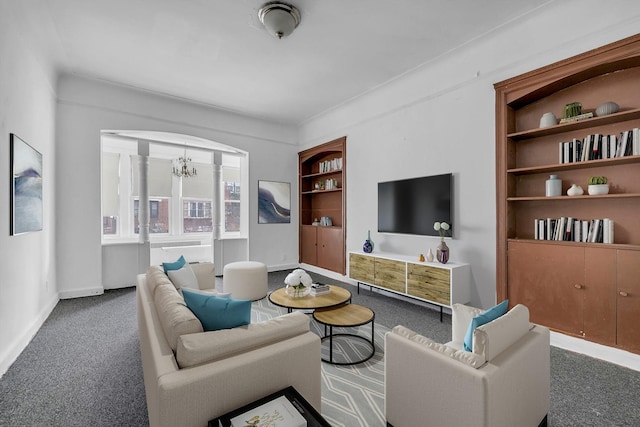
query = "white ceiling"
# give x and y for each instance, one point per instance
(216, 51)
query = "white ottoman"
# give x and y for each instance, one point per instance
(245, 280)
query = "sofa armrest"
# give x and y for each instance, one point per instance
(195, 349)
(192, 396)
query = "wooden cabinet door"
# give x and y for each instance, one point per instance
(600, 295)
(330, 249)
(549, 280)
(308, 245)
(430, 283)
(391, 274)
(361, 268)
(628, 300)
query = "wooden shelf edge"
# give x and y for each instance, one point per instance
(585, 196)
(575, 165)
(316, 175)
(625, 246)
(321, 191)
(582, 124)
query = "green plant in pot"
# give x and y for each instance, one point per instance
(598, 185)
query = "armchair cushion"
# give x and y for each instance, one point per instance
(492, 314)
(461, 316)
(471, 359)
(493, 338)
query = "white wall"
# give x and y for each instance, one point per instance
(85, 107)
(440, 118)
(27, 261)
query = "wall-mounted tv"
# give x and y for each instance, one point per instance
(411, 206)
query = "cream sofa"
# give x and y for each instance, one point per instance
(192, 376)
(504, 382)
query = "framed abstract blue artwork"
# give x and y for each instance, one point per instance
(274, 202)
(26, 187)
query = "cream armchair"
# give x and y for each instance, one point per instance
(503, 382)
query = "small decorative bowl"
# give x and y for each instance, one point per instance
(607, 108)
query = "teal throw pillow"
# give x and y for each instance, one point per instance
(218, 313)
(492, 314)
(177, 265)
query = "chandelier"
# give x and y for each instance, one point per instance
(181, 167)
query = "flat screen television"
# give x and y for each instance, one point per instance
(411, 206)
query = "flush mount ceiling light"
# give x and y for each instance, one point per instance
(280, 19)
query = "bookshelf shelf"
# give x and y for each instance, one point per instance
(573, 198)
(593, 122)
(585, 289)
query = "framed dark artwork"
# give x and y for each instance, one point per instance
(274, 202)
(26, 187)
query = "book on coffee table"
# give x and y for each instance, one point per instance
(278, 412)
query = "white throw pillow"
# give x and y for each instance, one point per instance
(183, 278)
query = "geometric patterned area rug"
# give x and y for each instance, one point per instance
(353, 395)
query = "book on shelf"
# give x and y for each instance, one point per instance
(278, 412)
(570, 229)
(330, 165)
(597, 147)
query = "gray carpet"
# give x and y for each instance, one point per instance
(83, 368)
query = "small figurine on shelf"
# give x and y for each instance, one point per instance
(421, 258)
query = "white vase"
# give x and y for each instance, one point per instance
(430, 255)
(575, 190)
(548, 119)
(553, 186)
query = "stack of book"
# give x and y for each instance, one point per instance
(597, 147)
(574, 230)
(330, 165)
(320, 289)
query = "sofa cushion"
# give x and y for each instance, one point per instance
(176, 265)
(492, 314)
(218, 313)
(494, 337)
(471, 359)
(206, 347)
(183, 278)
(176, 319)
(205, 273)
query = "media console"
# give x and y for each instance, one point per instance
(438, 284)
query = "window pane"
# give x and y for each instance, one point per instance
(231, 216)
(231, 199)
(197, 216)
(158, 216)
(110, 225)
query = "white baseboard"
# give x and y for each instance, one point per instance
(597, 351)
(14, 349)
(77, 293)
